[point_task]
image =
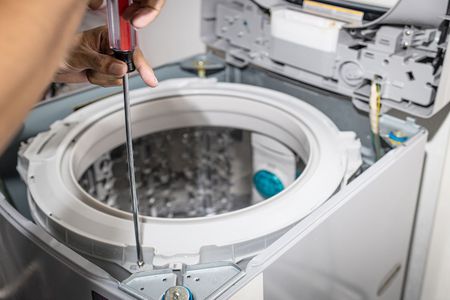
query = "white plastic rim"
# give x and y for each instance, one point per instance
(53, 162)
(376, 3)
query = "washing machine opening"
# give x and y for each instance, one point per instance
(211, 159)
(194, 172)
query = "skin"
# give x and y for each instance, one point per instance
(40, 45)
(90, 60)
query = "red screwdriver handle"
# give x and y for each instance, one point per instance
(122, 35)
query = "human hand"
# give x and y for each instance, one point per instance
(143, 12)
(140, 13)
(96, 4)
(90, 60)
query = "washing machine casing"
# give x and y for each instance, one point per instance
(354, 246)
(329, 250)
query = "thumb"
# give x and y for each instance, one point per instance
(95, 4)
(105, 64)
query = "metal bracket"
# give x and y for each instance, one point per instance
(203, 281)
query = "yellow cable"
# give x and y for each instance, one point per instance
(374, 116)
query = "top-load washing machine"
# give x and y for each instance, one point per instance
(281, 175)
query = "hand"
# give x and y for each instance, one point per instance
(96, 4)
(143, 12)
(91, 60)
(140, 13)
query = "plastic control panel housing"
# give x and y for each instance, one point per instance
(339, 49)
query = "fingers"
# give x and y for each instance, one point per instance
(70, 77)
(144, 69)
(105, 64)
(102, 79)
(143, 12)
(144, 16)
(105, 70)
(91, 51)
(90, 60)
(102, 75)
(95, 4)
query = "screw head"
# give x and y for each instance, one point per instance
(178, 293)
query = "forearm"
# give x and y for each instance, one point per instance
(35, 37)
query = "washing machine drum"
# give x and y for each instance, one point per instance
(222, 170)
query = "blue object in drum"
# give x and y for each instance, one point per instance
(267, 183)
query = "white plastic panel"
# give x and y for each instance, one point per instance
(355, 246)
(412, 12)
(303, 29)
(400, 48)
(443, 91)
(377, 3)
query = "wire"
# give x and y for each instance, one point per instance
(374, 115)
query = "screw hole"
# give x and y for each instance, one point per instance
(197, 279)
(164, 279)
(411, 76)
(385, 62)
(141, 288)
(189, 276)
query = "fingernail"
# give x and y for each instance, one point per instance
(117, 69)
(156, 82)
(143, 16)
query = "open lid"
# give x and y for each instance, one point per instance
(342, 46)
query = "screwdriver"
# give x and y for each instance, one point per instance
(122, 41)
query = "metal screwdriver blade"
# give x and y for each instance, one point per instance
(131, 174)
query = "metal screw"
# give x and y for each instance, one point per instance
(201, 70)
(177, 293)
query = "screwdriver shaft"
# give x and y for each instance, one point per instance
(131, 174)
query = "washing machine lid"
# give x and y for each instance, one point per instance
(402, 46)
(53, 161)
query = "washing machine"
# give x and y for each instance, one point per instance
(275, 166)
